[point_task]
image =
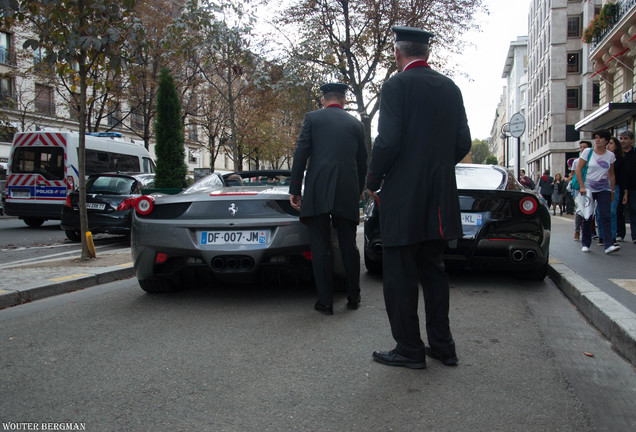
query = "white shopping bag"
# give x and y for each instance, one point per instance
(585, 205)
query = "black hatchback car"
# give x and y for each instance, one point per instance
(110, 198)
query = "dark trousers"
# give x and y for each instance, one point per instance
(404, 268)
(603, 202)
(620, 217)
(631, 207)
(322, 254)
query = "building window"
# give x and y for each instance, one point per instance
(44, 99)
(596, 93)
(574, 26)
(7, 56)
(571, 134)
(574, 65)
(114, 116)
(137, 119)
(6, 90)
(573, 98)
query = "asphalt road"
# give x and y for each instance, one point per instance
(250, 358)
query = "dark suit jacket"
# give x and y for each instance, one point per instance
(333, 142)
(422, 134)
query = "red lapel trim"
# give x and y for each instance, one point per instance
(334, 105)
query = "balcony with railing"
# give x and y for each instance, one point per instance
(621, 11)
(7, 56)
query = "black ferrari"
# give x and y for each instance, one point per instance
(506, 227)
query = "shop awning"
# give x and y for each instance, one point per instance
(607, 116)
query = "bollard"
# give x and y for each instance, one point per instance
(91, 245)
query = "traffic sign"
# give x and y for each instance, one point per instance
(517, 125)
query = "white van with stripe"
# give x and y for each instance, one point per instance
(44, 169)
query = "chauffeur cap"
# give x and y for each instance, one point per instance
(411, 34)
(334, 87)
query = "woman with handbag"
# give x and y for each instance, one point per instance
(596, 169)
(574, 190)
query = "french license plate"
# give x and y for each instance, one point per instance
(95, 206)
(242, 237)
(20, 193)
(472, 219)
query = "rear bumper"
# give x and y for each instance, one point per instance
(35, 210)
(114, 223)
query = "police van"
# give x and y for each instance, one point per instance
(43, 169)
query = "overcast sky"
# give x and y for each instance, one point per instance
(485, 62)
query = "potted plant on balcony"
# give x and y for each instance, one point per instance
(601, 21)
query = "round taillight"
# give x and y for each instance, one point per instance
(145, 204)
(528, 205)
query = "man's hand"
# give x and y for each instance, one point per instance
(295, 201)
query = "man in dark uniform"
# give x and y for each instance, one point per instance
(422, 134)
(333, 141)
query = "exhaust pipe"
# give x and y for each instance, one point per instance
(232, 263)
(517, 255)
(247, 263)
(218, 264)
(377, 248)
(531, 255)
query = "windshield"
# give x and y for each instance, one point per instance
(207, 183)
(479, 177)
(110, 185)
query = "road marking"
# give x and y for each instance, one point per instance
(64, 278)
(627, 284)
(125, 265)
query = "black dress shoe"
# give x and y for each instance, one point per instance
(323, 309)
(446, 360)
(353, 303)
(391, 358)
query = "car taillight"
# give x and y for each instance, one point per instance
(145, 204)
(67, 203)
(528, 205)
(126, 204)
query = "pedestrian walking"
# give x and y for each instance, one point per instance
(545, 187)
(614, 146)
(332, 140)
(558, 188)
(629, 179)
(578, 219)
(599, 185)
(627, 145)
(422, 134)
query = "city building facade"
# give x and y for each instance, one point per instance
(33, 98)
(560, 89)
(613, 54)
(516, 96)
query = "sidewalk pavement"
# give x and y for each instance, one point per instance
(25, 282)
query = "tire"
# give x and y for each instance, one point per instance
(158, 286)
(373, 267)
(33, 222)
(73, 235)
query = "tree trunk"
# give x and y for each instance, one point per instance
(86, 254)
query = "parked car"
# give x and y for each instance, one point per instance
(110, 199)
(239, 227)
(506, 227)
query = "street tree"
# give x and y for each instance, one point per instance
(219, 44)
(491, 160)
(171, 170)
(479, 151)
(90, 41)
(351, 40)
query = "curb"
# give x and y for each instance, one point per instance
(65, 284)
(613, 319)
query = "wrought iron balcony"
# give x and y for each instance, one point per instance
(7, 56)
(623, 7)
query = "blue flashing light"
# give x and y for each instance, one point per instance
(105, 134)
